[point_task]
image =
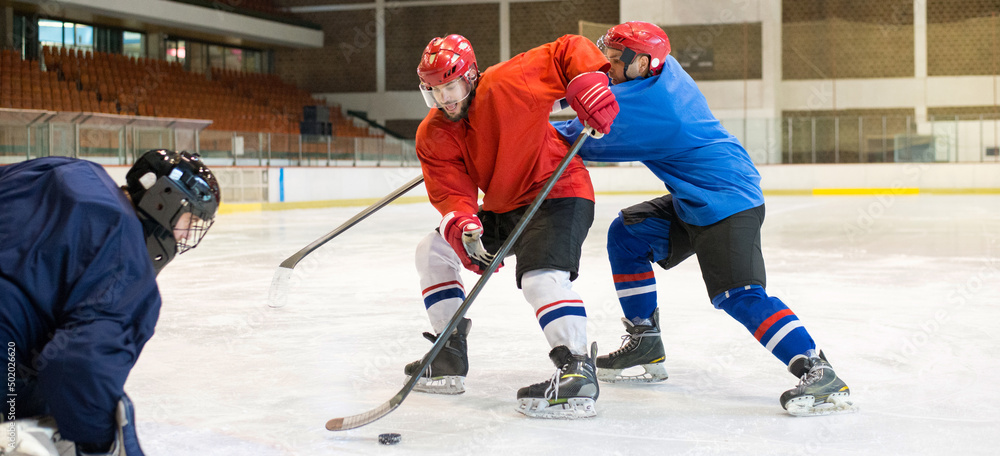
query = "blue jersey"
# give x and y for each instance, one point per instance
(79, 295)
(665, 123)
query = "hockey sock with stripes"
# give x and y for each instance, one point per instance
(632, 272)
(440, 280)
(558, 308)
(770, 321)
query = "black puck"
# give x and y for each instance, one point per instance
(389, 439)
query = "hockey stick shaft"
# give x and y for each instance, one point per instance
(278, 294)
(356, 421)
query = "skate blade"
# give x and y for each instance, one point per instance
(449, 384)
(573, 408)
(835, 404)
(652, 373)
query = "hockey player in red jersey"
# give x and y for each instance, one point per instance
(488, 131)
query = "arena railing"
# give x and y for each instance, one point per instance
(115, 140)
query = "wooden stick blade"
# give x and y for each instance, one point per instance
(356, 421)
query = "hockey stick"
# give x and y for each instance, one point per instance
(356, 421)
(278, 294)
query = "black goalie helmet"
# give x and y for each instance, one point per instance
(176, 197)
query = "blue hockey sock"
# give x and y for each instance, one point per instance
(770, 321)
(632, 272)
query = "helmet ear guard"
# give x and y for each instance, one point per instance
(160, 244)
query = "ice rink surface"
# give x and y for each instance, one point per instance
(902, 293)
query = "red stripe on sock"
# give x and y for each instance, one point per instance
(453, 282)
(762, 329)
(619, 278)
(540, 309)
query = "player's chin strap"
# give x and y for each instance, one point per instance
(627, 57)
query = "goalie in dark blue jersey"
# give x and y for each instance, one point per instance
(714, 210)
(78, 264)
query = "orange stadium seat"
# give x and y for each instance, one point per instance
(75, 80)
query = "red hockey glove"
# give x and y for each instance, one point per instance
(463, 231)
(590, 97)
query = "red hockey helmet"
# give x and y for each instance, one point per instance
(445, 60)
(636, 38)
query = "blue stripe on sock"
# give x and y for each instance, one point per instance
(561, 312)
(439, 296)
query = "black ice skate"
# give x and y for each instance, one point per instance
(569, 394)
(446, 373)
(819, 392)
(643, 347)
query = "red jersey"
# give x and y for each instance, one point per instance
(506, 147)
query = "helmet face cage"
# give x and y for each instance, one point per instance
(195, 232)
(200, 203)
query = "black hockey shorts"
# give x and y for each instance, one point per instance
(553, 239)
(728, 251)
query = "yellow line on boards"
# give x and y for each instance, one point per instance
(964, 191)
(865, 191)
(788, 192)
(233, 208)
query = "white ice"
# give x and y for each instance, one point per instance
(900, 291)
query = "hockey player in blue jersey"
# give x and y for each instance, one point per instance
(78, 263)
(714, 210)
